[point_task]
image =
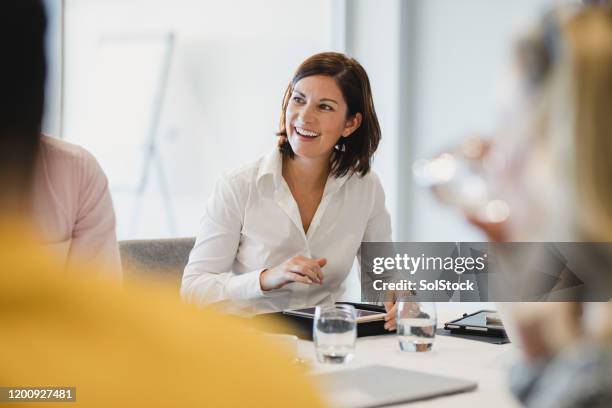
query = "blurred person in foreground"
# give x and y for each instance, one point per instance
(132, 347)
(71, 205)
(553, 170)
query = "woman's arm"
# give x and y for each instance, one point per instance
(208, 275)
(378, 229)
(93, 237)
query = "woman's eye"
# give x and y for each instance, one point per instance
(325, 107)
(297, 99)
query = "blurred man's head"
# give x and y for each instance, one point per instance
(22, 79)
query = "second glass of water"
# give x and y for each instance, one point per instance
(334, 333)
(416, 325)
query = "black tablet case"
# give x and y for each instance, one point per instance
(463, 329)
(301, 326)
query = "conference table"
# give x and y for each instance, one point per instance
(487, 364)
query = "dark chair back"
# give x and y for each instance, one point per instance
(156, 258)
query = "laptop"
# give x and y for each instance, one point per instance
(377, 385)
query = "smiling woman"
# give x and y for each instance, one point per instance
(346, 97)
(283, 232)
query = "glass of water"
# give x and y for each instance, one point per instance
(416, 325)
(334, 333)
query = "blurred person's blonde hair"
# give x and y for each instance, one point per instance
(566, 63)
(566, 66)
(589, 36)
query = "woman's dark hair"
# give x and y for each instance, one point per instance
(354, 153)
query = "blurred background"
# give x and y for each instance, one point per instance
(169, 95)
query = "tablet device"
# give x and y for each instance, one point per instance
(482, 322)
(361, 315)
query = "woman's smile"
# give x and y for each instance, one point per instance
(306, 135)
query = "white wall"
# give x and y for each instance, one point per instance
(53, 90)
(231, 65)
(373, 39)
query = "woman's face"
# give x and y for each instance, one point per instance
(316, 117)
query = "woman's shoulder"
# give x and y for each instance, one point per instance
(370, 181)
(61, 148)
(68, 182)
(241, 179)
(66, 156)
(245, 172)
(243, 176)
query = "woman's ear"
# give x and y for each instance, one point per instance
(352, 124)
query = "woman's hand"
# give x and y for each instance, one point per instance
(296, 269)
(390, 317)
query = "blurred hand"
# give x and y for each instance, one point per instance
(495, 231)
(296, 269)
(533, 340)
(548, 328)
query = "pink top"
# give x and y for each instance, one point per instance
(73, 207)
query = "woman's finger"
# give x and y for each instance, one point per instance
(296, 277)
(314, 267)
(391, 310)
(304, 268)
(390, 325)
(318, 271)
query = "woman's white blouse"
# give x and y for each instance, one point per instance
(252, 223)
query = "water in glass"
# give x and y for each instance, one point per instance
(416, 325)
(335, 333)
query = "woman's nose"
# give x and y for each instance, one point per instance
(307, 114)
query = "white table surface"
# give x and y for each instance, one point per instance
(486, 364)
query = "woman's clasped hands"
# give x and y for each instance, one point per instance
(296, 269)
